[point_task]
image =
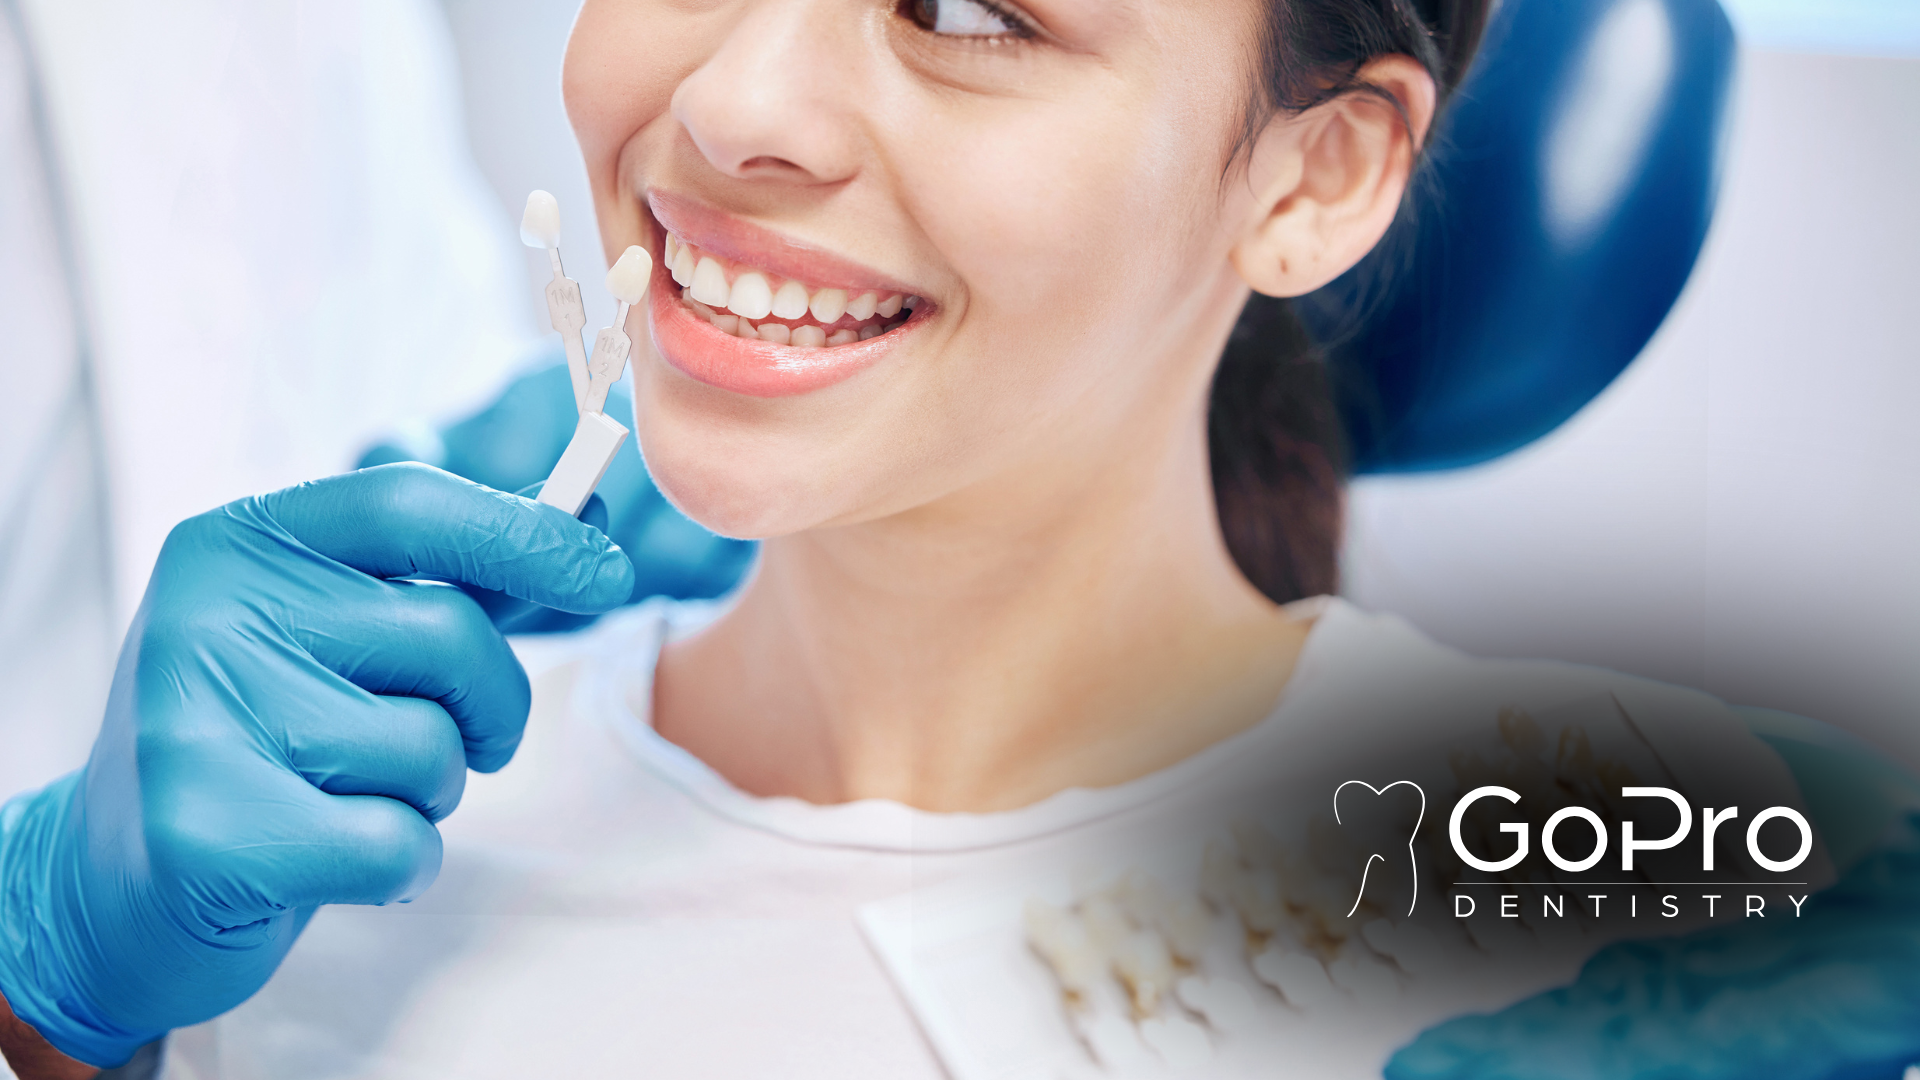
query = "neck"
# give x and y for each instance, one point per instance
(984, 651)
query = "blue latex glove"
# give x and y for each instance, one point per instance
(513, 443)
(1833, 995)
(287, 723)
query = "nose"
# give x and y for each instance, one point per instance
(769, 103)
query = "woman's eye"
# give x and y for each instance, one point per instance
(965, 18)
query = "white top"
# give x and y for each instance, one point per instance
(611, 906)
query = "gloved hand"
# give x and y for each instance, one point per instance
(1831, 995)
(288, 721)
(514, 442)
(1834, 995)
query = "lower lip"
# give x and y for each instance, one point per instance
(702, 351)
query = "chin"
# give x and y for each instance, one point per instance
(726, 470)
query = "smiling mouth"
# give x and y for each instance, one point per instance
(748, 302)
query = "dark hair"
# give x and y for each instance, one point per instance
(1278, 453)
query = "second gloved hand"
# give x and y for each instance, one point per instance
(513, 443)
(289, 720)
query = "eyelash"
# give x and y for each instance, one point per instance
(1019, 27)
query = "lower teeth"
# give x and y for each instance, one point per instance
(803, 337)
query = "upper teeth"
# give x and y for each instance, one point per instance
(751, 295)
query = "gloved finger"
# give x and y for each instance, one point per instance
(594, 515)
(246, 864)
(431, 641)
(414, 521)
(364, 849)
(404, 748)
(515, 616)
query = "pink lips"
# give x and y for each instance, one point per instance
(758, 368)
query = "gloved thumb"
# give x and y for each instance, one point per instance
(512, 615)
(415, 521)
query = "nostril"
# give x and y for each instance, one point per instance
(769, 163)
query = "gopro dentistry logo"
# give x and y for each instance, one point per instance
(1413, 863)
(1496, 866)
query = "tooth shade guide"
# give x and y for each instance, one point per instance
(628, 278)
(540, 222)
(566, 314)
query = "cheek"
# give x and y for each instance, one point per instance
(1075, 227)
(613, 84)
(1025, 214)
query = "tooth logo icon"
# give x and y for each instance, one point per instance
(1413, 865)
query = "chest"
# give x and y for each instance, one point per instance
(601, 968)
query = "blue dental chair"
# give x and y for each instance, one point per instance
(1559, 213)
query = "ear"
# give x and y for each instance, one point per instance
(1327, 182)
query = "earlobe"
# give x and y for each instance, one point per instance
(1328, 182)
(1270, 253)
(1283, 254)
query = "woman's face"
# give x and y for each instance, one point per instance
(1046, 180)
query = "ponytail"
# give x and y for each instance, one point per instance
(1278, 453)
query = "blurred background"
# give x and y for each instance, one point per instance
(295, 233)
(1740, 510)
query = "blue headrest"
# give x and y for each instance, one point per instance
(1563, 203)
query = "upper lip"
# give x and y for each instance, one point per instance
(716, 232)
